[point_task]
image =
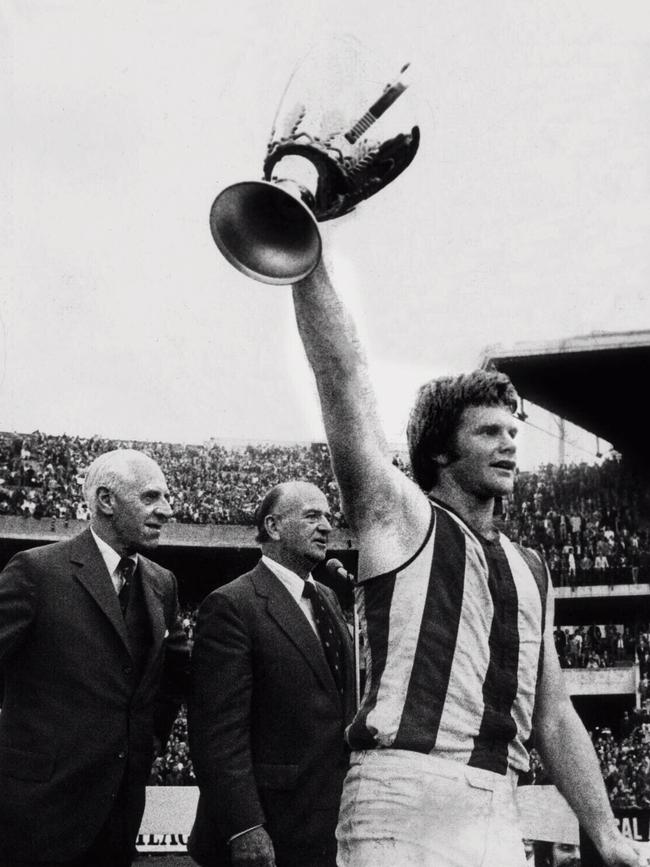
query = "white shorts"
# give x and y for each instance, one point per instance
(407, 809)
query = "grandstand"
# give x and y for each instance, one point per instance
(573, 514)
(214, 493)
(593, 381)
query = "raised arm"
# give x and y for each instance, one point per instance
(568, 754)
(385, 508)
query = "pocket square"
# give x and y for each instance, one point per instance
(166, 633)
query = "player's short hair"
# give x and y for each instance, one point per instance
(435, 417)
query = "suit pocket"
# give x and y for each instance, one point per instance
(25, 764)
(276, 776)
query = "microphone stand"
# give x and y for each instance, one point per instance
(336, 568)
(357, 650)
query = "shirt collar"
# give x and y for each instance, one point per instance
(110, 555)
(291, 580)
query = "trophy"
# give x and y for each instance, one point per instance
(341, 134)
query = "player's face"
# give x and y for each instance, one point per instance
(566, 855)
(302, 521)
(141, 508)
(485, 452)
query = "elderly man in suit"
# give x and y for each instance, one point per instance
(272, 690)
(94, 661)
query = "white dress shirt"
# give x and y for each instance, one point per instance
(112, 560)
(295, 585)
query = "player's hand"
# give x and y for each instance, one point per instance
(252, 849)
(619, 851)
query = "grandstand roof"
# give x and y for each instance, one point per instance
(594, 381)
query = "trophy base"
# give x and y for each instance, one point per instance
(266, 232)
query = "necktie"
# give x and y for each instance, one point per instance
(125, 568)
(328, 633)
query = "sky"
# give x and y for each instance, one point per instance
(524, 217)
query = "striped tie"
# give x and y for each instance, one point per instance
(329, 636)
(125, 568)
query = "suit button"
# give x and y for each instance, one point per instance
(127, 669)
(121, 754)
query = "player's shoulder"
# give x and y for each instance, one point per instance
(386, 544)
(533, 554)
(399, 504)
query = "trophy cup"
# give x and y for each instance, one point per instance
(321, 161)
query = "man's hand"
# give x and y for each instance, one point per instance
(252, 849)
(618, 851)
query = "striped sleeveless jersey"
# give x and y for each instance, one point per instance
(453, 641)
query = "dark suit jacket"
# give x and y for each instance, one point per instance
(74, 721)
(266, 722)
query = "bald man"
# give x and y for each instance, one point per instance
(94, 660)
(272, 691)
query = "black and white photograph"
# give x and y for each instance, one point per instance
(324, 474)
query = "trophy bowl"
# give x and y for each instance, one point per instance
(341, 134)
(266, 232)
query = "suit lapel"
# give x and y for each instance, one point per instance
(284, 610)
(90, 570)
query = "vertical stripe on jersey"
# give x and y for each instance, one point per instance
(394, 605)
(444, 633)
(531, 614)
(540, 573)
(374, 600)
(463, 708)
(435, 649)
(497, 726)
(538, 570)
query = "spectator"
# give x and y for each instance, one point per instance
(174, 766)
(572, 514)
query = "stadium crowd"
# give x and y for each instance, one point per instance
(611, 644)
(624, 759)
(173, 767)
(586, 521)
(41, 475)
(584, 518)
(597, 646)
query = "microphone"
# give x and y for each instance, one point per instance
(338, 570)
